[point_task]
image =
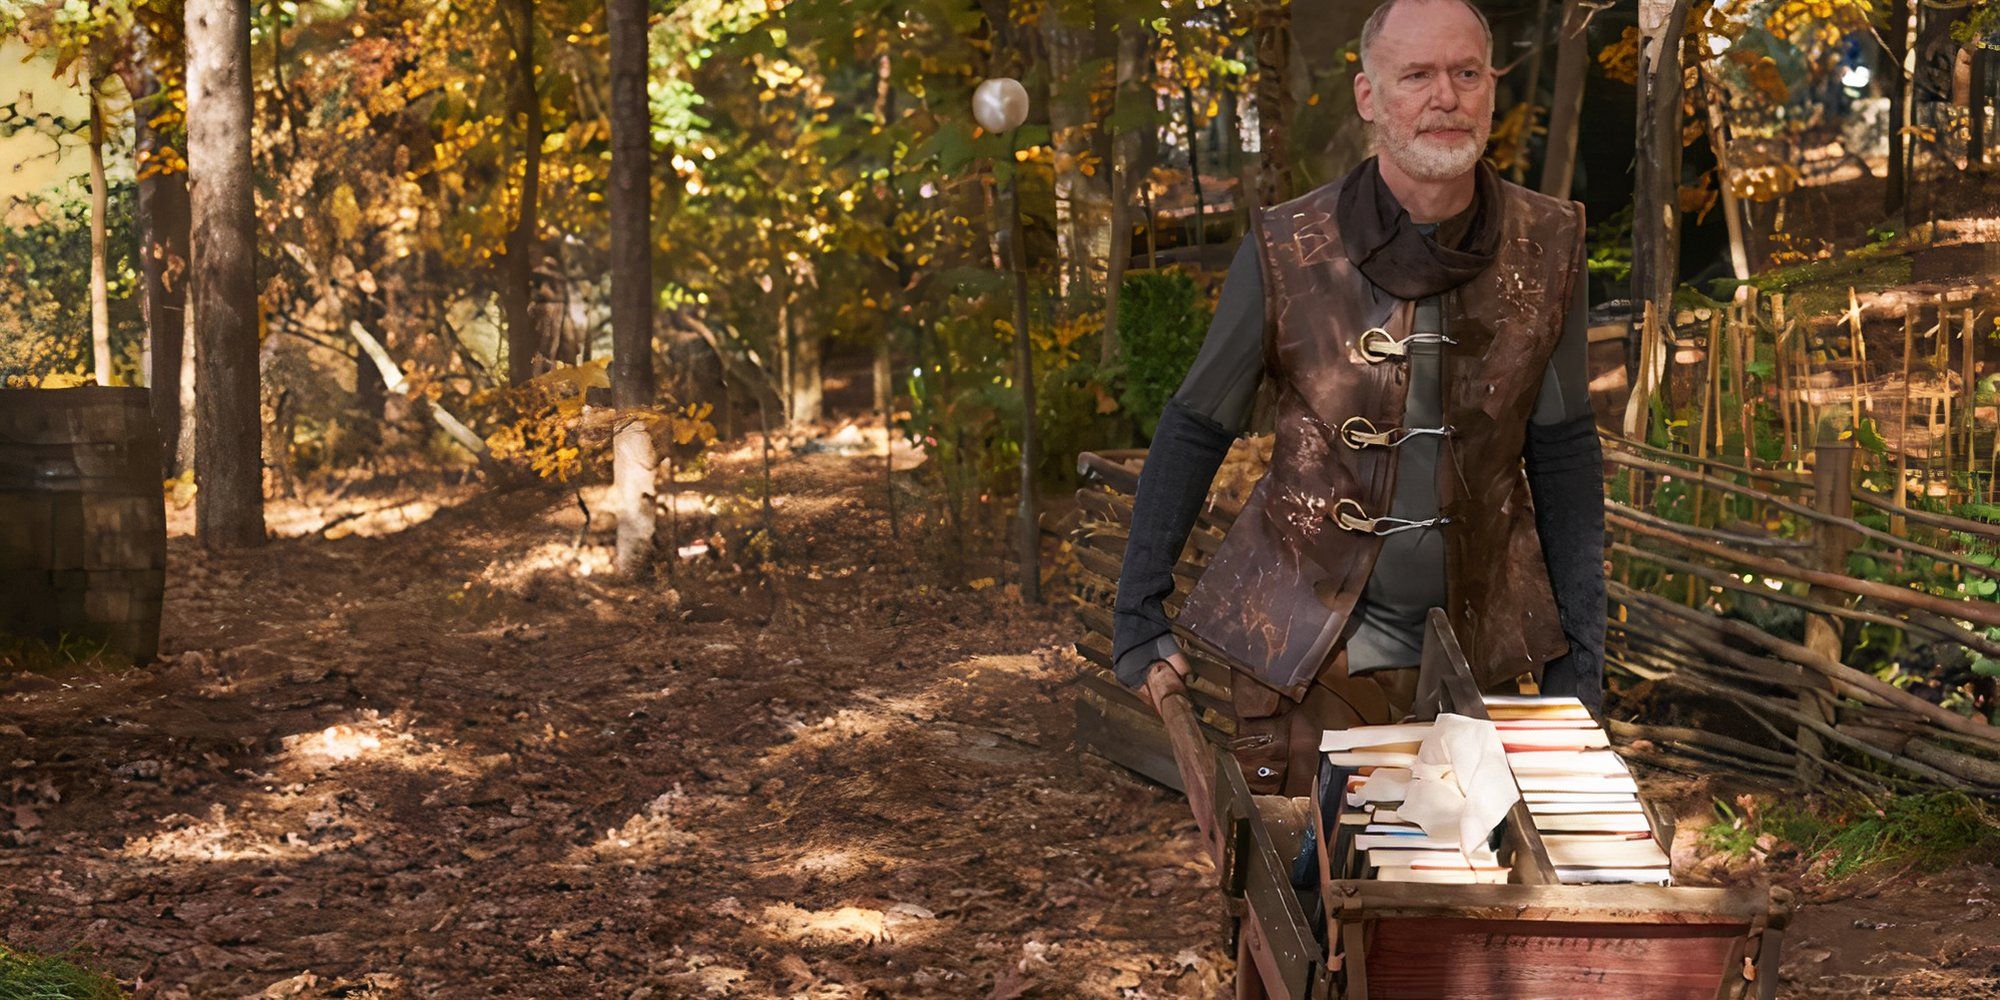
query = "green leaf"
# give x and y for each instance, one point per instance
(1986, 667)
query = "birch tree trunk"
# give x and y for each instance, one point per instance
(632, 460)
(229, 506)
(100, 300)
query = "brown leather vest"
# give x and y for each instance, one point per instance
(1279, 594)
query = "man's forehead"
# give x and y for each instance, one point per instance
(1435, 33)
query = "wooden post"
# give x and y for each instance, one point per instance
(1783, 367)
(1896, 523)
(1833, 493)
(1968, 384)
(1858, 350)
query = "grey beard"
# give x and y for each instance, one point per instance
(1427, 164)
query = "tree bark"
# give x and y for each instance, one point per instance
(1194, 168)
(100, 199)
(631, 197)
(1566, 103)
(190, 422)
(1068, 45)
(1896, 33)
(229, 506)
(1126, 100)
(808, 374)
(1530, 90)
(517, 283)
(1029, 525)
(1975, 106)
(1271, 22)
(162, 223)
(1715, 98)
(1329, 135)
(1656, 192)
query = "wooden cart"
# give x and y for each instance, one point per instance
(1529, 939)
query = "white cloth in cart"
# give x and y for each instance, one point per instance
(1460, 786)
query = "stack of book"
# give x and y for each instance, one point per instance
(1580, 796)
(1371, 766)
(1579, 793)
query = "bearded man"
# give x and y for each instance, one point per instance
(1420, 323)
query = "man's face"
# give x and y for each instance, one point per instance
(1427, 91)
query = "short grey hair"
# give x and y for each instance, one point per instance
(1373, 26)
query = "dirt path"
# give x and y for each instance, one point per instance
(443, 757)
(443, 762)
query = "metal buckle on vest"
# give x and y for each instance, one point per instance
(1390, 347)
(1360, 521)
(1359, 431)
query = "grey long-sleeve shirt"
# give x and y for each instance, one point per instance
(1409, 578)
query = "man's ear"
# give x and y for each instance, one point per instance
(1364, 89)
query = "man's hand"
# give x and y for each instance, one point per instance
(1164, 677)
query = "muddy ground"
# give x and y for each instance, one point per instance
(444, 755)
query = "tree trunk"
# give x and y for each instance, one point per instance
(1896, 33)
(371, 388)
(1566, 103)
(162, 222)
(808, 376)
(633, 461)
(1271, 21)
(1067, 44)
(1029, 525)
(1656, 192)
(1975, 106)
(190, 376)
(100, 299)
(517, 283)
(1530, 91)
(1126, 100)
(229, 507)
(1194, 168)
(1714, 97)
(1329, 135)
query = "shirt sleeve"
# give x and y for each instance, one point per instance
(1211, 407)
(1565, 391)
(1222, 383)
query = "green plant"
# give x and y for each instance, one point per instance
(1611, 247)
(1162, 318)
(72, 975)
(45, 267)
(1853, 834)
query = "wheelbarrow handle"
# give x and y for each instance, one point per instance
(1193, 754)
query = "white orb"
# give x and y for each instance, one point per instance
(1000, 104)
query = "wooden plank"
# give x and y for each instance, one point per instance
(1131, 739)
(1294, 956)
(1453, 958)
(1655, 904)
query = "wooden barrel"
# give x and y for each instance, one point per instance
(83, 521)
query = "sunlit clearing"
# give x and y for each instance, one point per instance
(293, 521)
(846, 924)
(547, 559)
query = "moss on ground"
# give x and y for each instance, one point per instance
(26, 975)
